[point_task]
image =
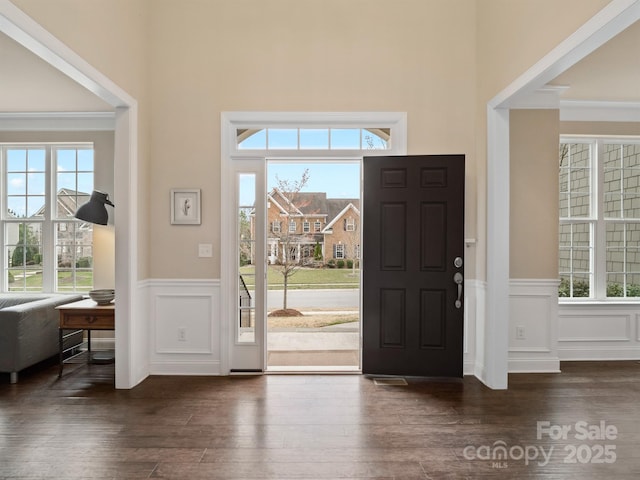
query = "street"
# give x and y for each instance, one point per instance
(319, 298)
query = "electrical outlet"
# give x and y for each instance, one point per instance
(520, 333)
(182, 334)
(205, 250)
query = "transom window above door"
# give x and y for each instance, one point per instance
(313, 139)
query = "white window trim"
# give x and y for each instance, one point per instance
(351, 225)
(598, 260)
(49, 220)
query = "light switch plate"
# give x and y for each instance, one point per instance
(205, 250)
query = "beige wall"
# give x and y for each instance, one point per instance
(186, 61)
(112, 36)
(287, 55)
(534, 138)
(511, 37)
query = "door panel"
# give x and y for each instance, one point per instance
(413, 229)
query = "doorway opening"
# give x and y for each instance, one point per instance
(313, 249)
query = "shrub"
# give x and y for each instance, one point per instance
(331, 263)
(83, 262)
(340, 263)
(580, 288)
(349, 263)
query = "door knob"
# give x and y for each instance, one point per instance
(458, 279)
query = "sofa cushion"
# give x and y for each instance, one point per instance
(11, 299)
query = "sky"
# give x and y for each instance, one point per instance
(339, 180)
(26, 176)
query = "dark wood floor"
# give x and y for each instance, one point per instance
(317, 427)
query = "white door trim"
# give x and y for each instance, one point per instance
(230, 122)
(132, 362)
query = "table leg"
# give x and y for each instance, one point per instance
(61, 354)
(88, 346)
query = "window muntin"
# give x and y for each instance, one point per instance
(306, 226)
(46, 248)
(314, 139)
(349, 224)
(339, 251)
(599, 245)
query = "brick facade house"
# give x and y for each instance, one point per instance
(314, 228)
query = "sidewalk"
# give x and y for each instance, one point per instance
(344, 336)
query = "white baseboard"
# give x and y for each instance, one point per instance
(186, 368)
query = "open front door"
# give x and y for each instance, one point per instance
(413, 255)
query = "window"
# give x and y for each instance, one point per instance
(275, 226)
(46, 247)
(599, 244)
(292, 226)
(339, 251)
(349, 224)
(317, 226)
(306, 226)
(314, 139)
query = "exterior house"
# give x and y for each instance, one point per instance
(312, 227)
(81, 236)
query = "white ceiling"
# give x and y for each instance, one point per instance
(29, 84)
(609, 74)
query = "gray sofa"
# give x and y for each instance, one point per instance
(29, 329)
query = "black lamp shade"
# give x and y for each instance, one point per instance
(94, 210)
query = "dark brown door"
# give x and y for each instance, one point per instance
(413, 256)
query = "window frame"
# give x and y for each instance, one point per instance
(48, 221)
(598, 236)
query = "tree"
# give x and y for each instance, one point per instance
(245, 239)
(288, 262)
(26, 251)
(317, 252)
(353, 241)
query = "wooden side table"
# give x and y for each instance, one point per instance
(84, 315)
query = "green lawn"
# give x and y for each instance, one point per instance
(307, 277)
(33, 282)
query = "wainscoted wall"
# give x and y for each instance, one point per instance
(474, 294)
(184, 331)
(598, 331)
(533, 313)
(185, 328)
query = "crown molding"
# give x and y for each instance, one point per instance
(57, 121)
(599, 111)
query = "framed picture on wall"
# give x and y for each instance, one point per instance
(185, 206)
